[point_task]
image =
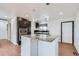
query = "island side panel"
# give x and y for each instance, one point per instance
(48, 48)
(34, 47)
(25, 46)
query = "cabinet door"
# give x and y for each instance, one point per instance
(25, 46)
(34, 47)
(47, 48)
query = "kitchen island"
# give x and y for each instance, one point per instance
(33, 46)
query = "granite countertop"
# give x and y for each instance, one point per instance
(47, 39)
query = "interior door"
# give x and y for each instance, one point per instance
(67, 32)
(3, 30)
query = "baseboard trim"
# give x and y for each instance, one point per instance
(65, 43)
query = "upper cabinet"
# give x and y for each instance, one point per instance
(23, 23)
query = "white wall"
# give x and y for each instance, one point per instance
(14, 30)
(5, 15)
(55, 28)
(3, 30)
(9, 30)
(32, 27)
(76, 42)
(55, 25)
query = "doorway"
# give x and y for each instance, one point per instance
(67, 32)
(5, 29)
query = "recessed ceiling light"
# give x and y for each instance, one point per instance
(47, 3)
(61, 13)
(33, 10)
(5, 16)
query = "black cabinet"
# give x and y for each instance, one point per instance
(23, 28)
(23, 23)
(37, 24)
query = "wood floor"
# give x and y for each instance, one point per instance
(66, 49)
(7, 48)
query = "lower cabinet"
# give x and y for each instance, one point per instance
(28, 46)
(48, 48)
(25, 46)
(34, 47)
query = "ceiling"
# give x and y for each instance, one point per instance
(54, 10)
